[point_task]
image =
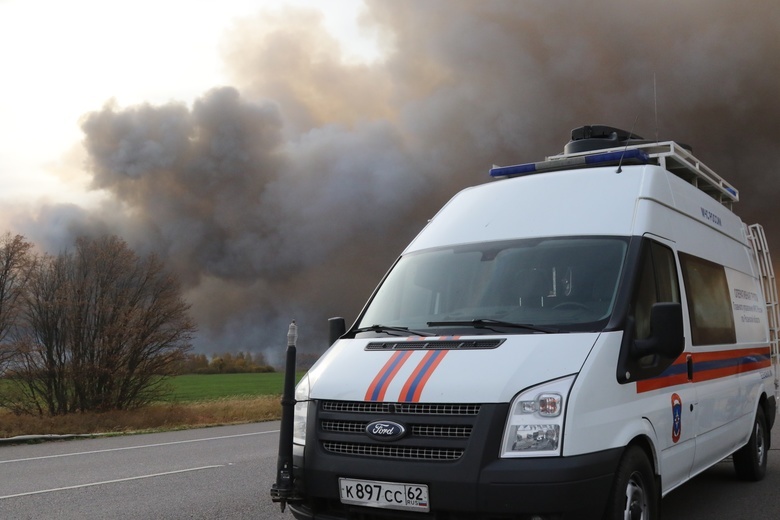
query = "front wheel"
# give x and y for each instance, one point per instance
(634, 495)
(750, 459)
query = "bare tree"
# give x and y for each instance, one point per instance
(16, 261)
(42, 369)
(103, 329)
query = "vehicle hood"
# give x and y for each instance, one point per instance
(445, 369)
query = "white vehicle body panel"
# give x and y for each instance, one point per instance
(696, 412)
(520, 362)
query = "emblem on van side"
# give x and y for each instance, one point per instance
(385, 430)
(676, 417)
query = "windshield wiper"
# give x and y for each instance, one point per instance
(485, 323)
(388, 329)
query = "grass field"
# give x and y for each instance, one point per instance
(208, 387)
(195, 401)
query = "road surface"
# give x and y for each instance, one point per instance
(226, 472)
(209, 473)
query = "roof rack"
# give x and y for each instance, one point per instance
(668, 155)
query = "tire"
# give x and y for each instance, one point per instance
(634, 494)
(750, 459)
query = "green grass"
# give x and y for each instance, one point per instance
(209, 387)
(195, 401)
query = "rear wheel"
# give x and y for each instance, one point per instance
(750, 460)
(634, 495)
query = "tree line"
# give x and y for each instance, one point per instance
(95, 328)
(224, 363)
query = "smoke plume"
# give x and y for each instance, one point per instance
(288, 194)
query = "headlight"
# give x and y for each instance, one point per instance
(535, 424)
(301, 409)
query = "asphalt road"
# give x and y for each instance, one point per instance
(212, 473)
(226, 472)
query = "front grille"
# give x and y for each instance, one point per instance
(418, 430)
(344, 426)
(436, 432)
(393, 452)
(457, 432)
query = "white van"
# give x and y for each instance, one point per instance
(573, 340)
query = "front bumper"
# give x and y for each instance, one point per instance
(478, 485)
(565, 487)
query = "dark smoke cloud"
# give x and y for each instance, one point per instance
(290, 193)
(255, 224)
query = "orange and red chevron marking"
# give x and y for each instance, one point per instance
(415, 383)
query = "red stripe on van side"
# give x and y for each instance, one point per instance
(708, 366)
(741, 368)
(761, 352)
(656, 383)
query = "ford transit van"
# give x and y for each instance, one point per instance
(574, 339)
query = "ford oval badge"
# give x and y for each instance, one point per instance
(385, 430)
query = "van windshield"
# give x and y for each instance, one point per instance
(523, 286)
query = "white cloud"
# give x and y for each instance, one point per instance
(63, 59)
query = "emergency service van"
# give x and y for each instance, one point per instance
(575, 339)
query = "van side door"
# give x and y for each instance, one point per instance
(663, 390)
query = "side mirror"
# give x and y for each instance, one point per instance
(337, 327)
(667, 338)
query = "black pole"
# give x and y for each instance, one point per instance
(283, 489)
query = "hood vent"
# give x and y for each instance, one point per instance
(449, 344)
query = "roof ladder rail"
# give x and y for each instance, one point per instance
(769, 286)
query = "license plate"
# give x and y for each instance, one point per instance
(387, 495)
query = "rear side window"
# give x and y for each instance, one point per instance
(709, 303)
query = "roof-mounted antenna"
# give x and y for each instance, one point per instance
(655, 104)
(630, 135)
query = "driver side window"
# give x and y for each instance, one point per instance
(658, 283)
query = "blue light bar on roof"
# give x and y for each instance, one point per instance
(633, 156)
